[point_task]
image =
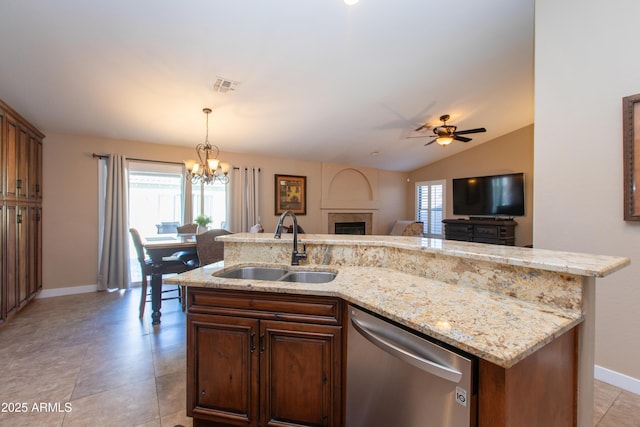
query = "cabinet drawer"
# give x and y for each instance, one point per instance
(487, 231)
(459, 228)
(263, 305)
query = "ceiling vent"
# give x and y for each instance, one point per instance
(223, 85)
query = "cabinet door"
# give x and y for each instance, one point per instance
(22, 255)
(35, 167)
(3, 258)
(222, 369)
(15, 282)
(3, 136)
(22, 182)
(34, 232)
(11, 156)
(300, 374)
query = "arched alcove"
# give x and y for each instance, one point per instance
(350, 184)
(349, 195)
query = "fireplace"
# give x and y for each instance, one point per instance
(350, 223)
(354, 227)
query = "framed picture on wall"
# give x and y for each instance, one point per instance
(291, 194)
(631, 149)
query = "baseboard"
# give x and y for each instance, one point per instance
(72, 290)
(617, 379)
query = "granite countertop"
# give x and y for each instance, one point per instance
(581, 264)
(502, 324)
(499, 329)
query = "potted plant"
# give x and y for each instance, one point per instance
(202, 221)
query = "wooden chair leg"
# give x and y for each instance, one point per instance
(143, 295)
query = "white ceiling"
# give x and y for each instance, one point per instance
(318, 80)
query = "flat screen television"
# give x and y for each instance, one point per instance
(496, 195)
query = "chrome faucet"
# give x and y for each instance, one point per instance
(295, 255)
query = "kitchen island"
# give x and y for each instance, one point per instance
(505, 305)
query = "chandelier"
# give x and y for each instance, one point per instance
(208, 170)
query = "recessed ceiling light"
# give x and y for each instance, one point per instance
(351, 2)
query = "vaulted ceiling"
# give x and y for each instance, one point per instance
(316, 79)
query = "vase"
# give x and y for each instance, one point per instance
(201, 229)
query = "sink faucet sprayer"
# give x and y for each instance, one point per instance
(295, 255)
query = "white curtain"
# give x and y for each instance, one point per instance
(244, 199)
(187, 189)
(113, 268)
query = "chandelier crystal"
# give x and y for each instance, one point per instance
(208, 169)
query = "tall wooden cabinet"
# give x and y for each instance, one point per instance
(20, 211)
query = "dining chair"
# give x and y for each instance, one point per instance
(289, 229)
(188, 258)
(170, 265)
(188, 228)
(210, 250)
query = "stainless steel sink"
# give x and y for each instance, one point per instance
(254, 273)
(277, 274)
(309, 276)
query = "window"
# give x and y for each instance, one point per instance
(210, 200)
(155, 196)
(429, 207)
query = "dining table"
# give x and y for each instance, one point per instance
(157, 248)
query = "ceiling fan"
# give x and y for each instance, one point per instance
(445, 134)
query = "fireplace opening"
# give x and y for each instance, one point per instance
(355, 227)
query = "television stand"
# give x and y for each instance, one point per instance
(490, 218)
(486, 230)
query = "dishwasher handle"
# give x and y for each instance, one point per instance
(409, 357)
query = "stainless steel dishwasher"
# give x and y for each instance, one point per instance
(397, 379)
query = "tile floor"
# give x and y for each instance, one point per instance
(92, 353)
(87, 360)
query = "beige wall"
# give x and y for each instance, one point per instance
(509, 153)
(585, 61)
(70, 220)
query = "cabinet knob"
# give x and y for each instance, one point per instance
(203, 392)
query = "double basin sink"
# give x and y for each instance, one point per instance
(277, 274)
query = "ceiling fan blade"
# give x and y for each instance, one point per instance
(419, 128)
(430, 142)
(461, 138)
(477, 130)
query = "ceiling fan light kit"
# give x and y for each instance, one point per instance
(444, 140)
(446, 134)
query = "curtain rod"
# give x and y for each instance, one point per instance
(106, 156)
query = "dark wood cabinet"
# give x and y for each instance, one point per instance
(10, 151)
(223, 360)
(35, 168)
(21, 201)
(299, 374)
(496, 232)
(9, 278)
(35, 250)
(260, 359)
(538, 391)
